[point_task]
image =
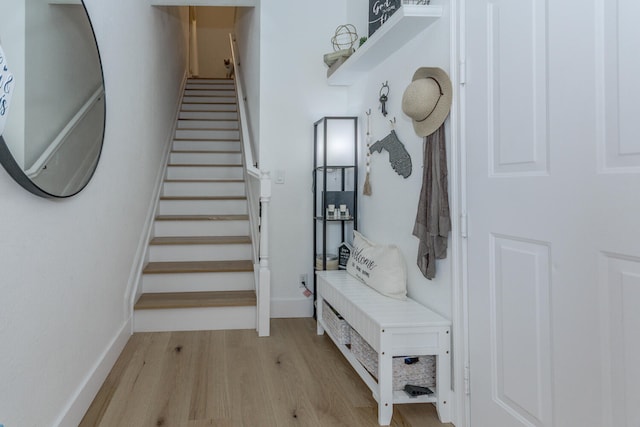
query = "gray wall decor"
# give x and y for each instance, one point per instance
(398, 155)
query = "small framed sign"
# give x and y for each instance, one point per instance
(380, 11)
(344, 252)
(6, 89)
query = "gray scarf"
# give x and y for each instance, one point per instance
(433, 221)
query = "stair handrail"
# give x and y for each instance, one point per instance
(251, 164)
(258, 213)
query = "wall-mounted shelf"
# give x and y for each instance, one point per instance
(402, 26)
(65, 2)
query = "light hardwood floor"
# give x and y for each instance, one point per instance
(235, 379)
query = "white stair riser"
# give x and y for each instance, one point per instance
(209, 100)
(193, 145)
(201, 228)
(198, 282)
(210, 85)
(208, 124)
(194, 319)
(228, 91)
(209, 81)
(203, 189)
(205, 158)
(161, 253)
(208, 115)
(208, 107)
(204, 172)
(203, 207)
(207, 134)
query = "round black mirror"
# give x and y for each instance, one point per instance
(53, 126)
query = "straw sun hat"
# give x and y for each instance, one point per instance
(427, 99)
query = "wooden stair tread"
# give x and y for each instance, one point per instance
(202, 217)
(196, 299)
(194, 119)
(221, 181)
(209, 139)
(208, 102)
(211, 80)
(206, 152)
(206, 111)
(204, 129)
(216, 90)
(198, 267)
(203, 198)
(205, 165)
(200, 240)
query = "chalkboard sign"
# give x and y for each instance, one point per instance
(380, 11)
(344, 252)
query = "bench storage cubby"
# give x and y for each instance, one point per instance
(421, 373)
(337, 326)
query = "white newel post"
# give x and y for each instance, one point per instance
(264, 292)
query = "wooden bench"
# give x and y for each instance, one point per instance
(392, 328)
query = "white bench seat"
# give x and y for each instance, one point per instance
(392, 328)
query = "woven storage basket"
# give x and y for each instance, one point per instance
(421, 373)
(338, 327)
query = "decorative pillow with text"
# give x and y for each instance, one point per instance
(381, 267)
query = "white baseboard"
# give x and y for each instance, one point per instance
(80, 402)
(291, 307)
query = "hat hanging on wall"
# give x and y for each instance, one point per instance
(427, 99)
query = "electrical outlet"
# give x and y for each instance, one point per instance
(303, 281)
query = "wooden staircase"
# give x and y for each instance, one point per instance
(200, 271)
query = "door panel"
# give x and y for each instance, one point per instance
(553, 171)
(621, 282)
(519, 310)
(518, 141)
(621, 141)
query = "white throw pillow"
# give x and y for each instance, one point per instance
(381, 267)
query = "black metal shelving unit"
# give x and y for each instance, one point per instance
(335, 181)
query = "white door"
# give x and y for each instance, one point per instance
(552, 110)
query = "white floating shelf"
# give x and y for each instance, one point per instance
(65, 2)
(402, 26)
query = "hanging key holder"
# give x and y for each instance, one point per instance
(384, 97)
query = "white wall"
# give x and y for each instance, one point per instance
(294, 94)
(214, 26)
(388, 215)
(66, 264)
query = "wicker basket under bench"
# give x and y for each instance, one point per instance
(391, 328)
